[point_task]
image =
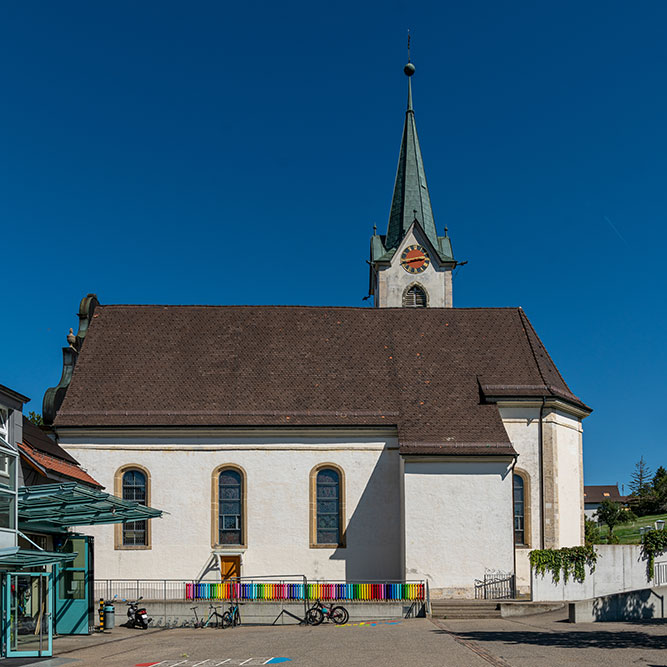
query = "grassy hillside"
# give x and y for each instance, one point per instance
(628, 533)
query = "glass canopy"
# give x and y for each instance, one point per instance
(58, 506)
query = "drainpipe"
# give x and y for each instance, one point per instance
(541, 455)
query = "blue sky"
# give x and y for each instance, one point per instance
(221, 153)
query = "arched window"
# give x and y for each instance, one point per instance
(521, 490)
(230, 499)
(229, 503)
(132, 482)
(415, 297)
(327, 506)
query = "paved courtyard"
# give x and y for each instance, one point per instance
(533, 641)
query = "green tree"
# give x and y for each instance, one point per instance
(660, 489)
(591, 533)
(640, 481)
(613, 515)
(35, 418)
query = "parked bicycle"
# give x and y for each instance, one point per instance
(214, 616)
(232, 616)
(320, 612)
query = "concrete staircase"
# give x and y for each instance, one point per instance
(452, 609)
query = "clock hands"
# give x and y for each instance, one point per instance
(421, 258)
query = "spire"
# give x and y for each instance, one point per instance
(411, 200)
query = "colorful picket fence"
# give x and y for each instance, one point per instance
(315, 591)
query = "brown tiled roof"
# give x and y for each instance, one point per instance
(596, 494)
(39, 440)
(423, 370)
(60, 467)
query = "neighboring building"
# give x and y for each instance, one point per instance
(46, 569)
(413, 440)
(594, 495)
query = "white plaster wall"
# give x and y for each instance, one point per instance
(620, 567)
(458, 522)
(278, 473)
(523, 428)
(393, 280)
(570, 482)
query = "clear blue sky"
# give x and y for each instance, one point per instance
(220, 153)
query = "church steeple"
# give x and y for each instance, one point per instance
(411, 200)
(411, 266)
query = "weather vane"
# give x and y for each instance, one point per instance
(408, 44)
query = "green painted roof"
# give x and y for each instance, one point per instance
(15, 558)
(411, 201)
(57, 506)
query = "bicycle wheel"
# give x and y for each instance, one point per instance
(314, 616)
(236, 617)
(339, 615)
(226, 619)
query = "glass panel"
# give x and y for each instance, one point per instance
(72, 585)
(519, 535)
(230, 507)
(78, 546)
(328, 507)
(134, 533)
(7, 510)
(29, 622)
(327, 537)
(134, 488)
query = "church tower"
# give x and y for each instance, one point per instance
(411, 266)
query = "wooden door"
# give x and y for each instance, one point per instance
(230, 566)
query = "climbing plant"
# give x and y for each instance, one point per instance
(653, 543)
(566, 561)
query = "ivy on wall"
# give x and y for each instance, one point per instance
(653, 544)
(566, 561)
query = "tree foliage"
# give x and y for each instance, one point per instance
(613, 514)
(591, 533)
(640, 481)
(36, 418)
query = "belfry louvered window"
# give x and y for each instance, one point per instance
(414, 297)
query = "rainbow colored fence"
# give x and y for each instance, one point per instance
(316, 591)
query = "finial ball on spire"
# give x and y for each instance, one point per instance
(409, 69)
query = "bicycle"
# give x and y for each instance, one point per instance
(199, 622)
(319, 613)
(232, 616)
(219, 618)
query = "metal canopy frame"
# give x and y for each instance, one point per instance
(70, 504)
(16, 558)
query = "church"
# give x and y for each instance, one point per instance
(410, 440)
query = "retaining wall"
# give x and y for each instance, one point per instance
(178, 613)
(619, 568)
(645, 604)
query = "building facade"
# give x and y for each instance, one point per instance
(410, 441)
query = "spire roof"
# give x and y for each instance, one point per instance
(411, 199)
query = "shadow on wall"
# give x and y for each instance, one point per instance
(373, 536)
(632, 606)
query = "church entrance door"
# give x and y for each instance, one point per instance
(230, 567)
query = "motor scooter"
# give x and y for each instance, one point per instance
(137, 617)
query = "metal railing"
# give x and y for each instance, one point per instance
(660, 574)
(496, 586)
(283, 587)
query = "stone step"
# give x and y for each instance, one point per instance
(453, 609)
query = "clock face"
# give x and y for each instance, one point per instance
(415, 259)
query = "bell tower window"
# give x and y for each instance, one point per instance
(415, 297)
